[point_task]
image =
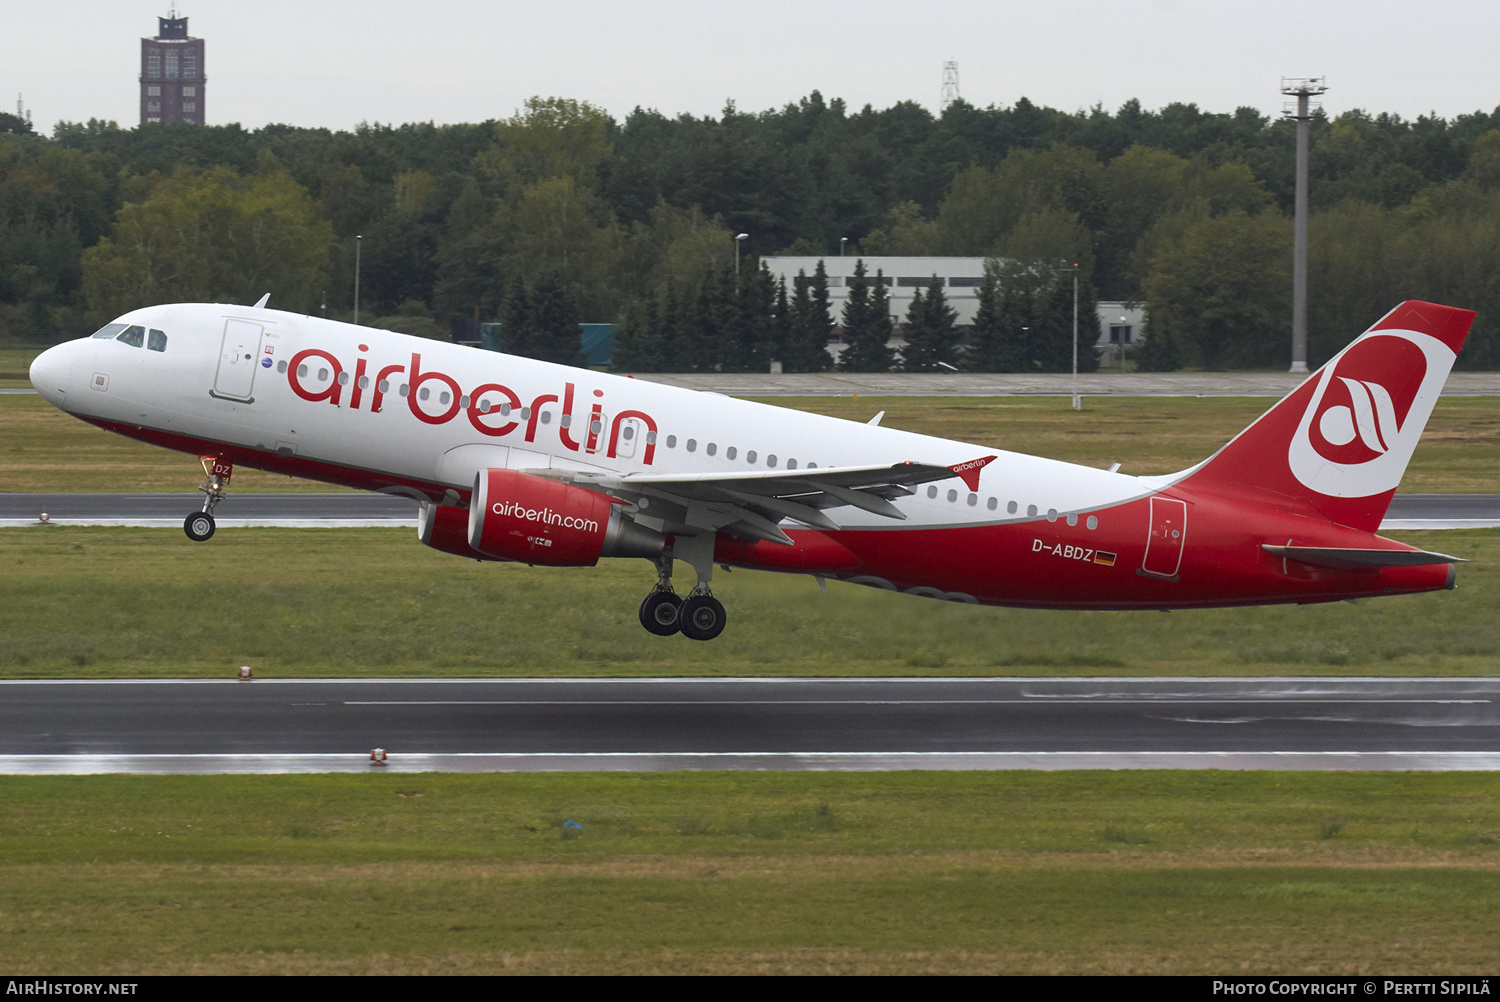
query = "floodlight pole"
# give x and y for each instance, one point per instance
(1303, 88)
(358, 242)
(1077, 400)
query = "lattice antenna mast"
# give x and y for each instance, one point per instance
(1304, 89)
(950, 84)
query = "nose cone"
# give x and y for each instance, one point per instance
(50, 374)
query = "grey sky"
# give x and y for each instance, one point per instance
(337, 63)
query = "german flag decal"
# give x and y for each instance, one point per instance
(1104, 557)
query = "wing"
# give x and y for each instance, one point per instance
(751, 504)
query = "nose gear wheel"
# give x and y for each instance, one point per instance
(198, 526)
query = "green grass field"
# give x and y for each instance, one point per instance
(113, 602)
(43, 449)
(15, 364)
(1075, 872)
(1010, 872)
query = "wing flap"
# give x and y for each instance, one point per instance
(753, 501)
(799, 494)
(788, 482)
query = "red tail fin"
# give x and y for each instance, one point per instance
(1340, 442)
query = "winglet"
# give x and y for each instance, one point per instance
(969, 472)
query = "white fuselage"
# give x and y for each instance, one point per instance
(204, 388)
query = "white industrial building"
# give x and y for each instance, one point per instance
(1119, 323)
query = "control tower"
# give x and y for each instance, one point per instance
(172, 77)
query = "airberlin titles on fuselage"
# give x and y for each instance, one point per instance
(492, 417)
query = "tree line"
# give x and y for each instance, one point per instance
(633, 222)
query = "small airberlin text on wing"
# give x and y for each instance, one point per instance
(546, 516)
(39, 986)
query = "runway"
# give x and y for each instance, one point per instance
(349, 510)
(658, 724)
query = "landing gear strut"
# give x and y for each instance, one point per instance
(200, 524)
(659, 609)
(700, 616)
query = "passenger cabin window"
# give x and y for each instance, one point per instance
(134, 336)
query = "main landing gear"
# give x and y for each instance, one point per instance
(200, 524)
(698, 617)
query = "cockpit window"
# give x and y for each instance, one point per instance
(156, 340)
(135, 336)
(108, 331)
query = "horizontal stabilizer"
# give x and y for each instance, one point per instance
(1347, 559)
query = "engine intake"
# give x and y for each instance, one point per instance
(534, 520)
(446, 528)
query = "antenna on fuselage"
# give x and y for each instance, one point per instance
(260, 303)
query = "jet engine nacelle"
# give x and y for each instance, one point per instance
(534, 520)
(446, 528)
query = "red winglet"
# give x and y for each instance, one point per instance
(969, 472)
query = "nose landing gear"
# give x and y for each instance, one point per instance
(199, 526)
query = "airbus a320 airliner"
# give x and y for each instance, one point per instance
(513, 459)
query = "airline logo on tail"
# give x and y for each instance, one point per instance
(1367, 413)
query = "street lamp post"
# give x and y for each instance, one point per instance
(843, 243)
(739, 239)
(1124, 334)
(358, 242)
(1077, 401)
(1303, 89)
